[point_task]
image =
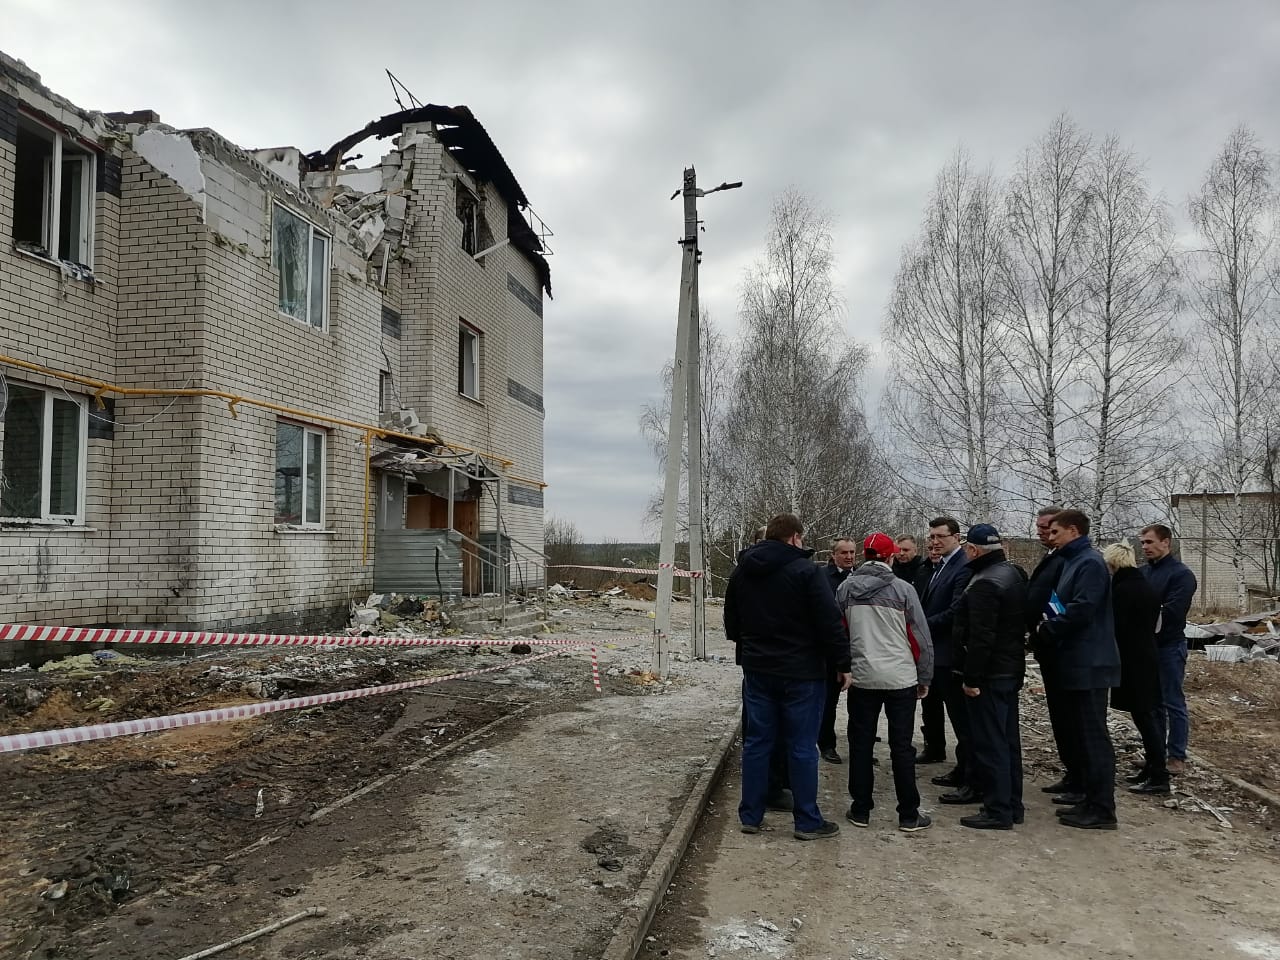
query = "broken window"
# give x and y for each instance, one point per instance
(53, 194)
(476, 235)
(300, 254)
(468, 361)
(42, 455)
(299, 475)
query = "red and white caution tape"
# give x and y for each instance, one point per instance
(124, 728)
(595, 669)
(676, 571)
(19, 631)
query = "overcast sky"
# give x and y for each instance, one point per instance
(598, 106)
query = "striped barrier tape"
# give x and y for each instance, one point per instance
(47, 634)
(676, 571)
(124, 728)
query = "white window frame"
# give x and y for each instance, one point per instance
(50, 219)
(304, 523)
(476, 338)
(46, 458)
(312, 235)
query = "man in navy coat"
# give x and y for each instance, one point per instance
(1076, 642)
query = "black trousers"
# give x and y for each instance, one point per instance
(864, 716)
(827, 732)
(1085, 712)
(948, 684)
(1151, 727)
(996, 758)
(1063, 734)
(933, 723)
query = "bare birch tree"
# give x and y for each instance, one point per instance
(796, 435)
(1127, 342)
(945, 342)
(1047, 209)
(1233, 276)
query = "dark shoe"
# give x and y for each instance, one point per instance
(931, 757)
(1152, 788)
(1069, 799)
(782, 800)
(858, 819)
(1177, 767)
(961, 796)
(1078, 809)
(981, 821)
(1140, 777)
(831, 756)
(1019, 818)
(951, 779)
(1061, 786)
(921, 822)
(1088, 820)
(828, 829)
(750, 828)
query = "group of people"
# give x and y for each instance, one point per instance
(950, 631)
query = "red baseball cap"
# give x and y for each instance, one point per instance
(879, 546)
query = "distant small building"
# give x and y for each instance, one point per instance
(1204, 523)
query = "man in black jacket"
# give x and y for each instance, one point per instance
(907, 563)
(781, 615)
(988, 633)
(844, 553)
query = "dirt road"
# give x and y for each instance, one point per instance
(508, 815)
(1172, 882)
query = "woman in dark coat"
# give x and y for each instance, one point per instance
(1137, 611)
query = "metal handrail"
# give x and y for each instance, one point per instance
(496, 560)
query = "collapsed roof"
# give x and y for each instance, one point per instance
(467, 142)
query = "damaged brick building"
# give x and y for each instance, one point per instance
(243, 387)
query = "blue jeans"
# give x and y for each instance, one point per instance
(1173, 668)
(790, 709)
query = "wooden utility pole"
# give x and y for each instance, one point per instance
(686, 409)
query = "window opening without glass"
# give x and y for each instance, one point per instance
(53, 194)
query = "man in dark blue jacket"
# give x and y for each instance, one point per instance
(1044, 580)
(940, 598)
(1175, 585)
(1077, 643)
(781, 615)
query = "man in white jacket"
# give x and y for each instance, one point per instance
(892, 668)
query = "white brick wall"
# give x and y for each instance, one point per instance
(180, 517)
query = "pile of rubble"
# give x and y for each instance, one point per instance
(398, 615)
(1252, 637)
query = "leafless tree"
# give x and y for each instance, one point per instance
(562, 543)
(1233, 280)
(946, 343)
(1126, 342)
(1048, 207)
(796, 437)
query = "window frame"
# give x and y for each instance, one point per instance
(51, 207)
(314, 232)
(307, 431)
(46, 458)
(476, 338)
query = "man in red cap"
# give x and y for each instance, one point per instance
(892, 667)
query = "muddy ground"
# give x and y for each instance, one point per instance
(1173, 881)
(158, 845)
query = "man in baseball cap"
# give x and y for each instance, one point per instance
(892, 666)
(988, 633)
